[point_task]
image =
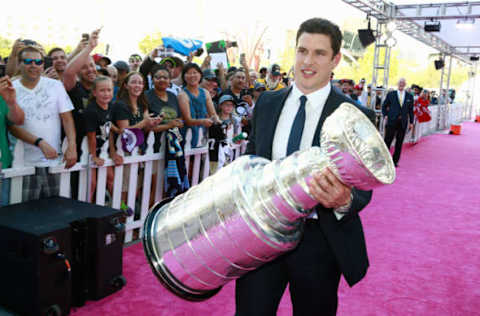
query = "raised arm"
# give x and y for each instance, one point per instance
(148, 62)
(12, 64)
(7, 91)
(81, 45)
(74, 66)
(206, 62)
(221, 76)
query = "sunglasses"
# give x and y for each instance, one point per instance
(29, 61)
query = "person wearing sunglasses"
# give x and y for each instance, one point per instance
(47, 107)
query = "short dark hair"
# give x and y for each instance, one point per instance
(136, 56)
(157, 68)
(322, 26)
(103, 72)
(55, 49)
(28, 49)
(190, 66)
(178, 62)
(235, 72)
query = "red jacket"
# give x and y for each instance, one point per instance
(421, 110)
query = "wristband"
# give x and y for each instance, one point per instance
(37, 141)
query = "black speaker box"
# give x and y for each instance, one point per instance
(95, 236)
(439, 64)
(35, 271)
(366, 37)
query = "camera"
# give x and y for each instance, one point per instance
(231, 44)
(198, 52)
(2, 70)
(248, 91)
(85, 37)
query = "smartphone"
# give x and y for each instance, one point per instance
(29, 42)
(47, 62)
(85, 37)
(2, 70)
(199, 52)
(248, 91)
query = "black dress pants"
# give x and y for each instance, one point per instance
(397, 132)
(311, 272)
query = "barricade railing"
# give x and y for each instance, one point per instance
(134, 177)
(149, 166)
(442, 116)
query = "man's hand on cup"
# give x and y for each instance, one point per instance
(328, 190)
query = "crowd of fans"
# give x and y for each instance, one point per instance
(89, 96)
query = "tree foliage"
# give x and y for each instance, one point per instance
(5, 47)
(149, 42)
(250, 41)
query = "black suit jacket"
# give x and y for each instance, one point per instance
(345, 236)
(392, 109)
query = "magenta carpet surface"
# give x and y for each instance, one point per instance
(423, 239)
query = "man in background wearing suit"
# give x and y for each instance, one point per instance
(398, 112)
(333, 243)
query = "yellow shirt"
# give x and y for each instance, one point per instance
(279, 86)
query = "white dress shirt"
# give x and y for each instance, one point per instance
(313, 110)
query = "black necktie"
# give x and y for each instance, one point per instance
(297, 128)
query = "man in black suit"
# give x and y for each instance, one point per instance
(397, 110)
(333, 242)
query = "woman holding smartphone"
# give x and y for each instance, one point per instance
(131, 111)
(164, 104)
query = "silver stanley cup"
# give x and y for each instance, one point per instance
(252, 211)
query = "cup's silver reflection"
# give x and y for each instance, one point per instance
(252, 210)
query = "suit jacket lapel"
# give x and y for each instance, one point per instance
(330, 105)
(276, 108)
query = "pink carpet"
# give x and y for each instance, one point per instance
(423, 238)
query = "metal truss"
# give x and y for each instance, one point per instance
(468, 50)
(406, 18)
(452, 10)
(385, 11)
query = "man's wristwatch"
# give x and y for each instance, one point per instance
(345, 208)
(37, 141)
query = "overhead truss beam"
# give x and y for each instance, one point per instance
(385, 11)
(445, 11)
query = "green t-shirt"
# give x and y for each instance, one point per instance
(6, 155)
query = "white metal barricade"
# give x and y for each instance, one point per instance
(137, 168)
